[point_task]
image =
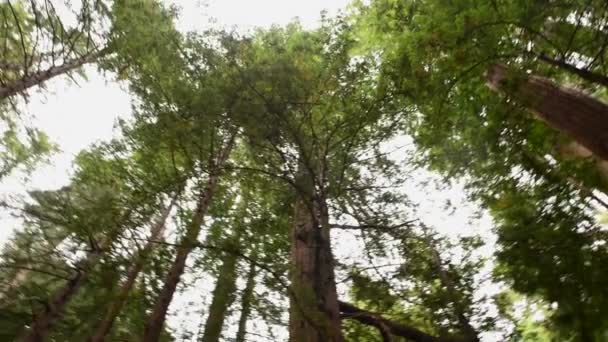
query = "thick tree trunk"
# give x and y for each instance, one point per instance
(246, 299)
(223, 297)
(37, 78)
(156, 232)
(582, 73)
(314, 312)
(154, 326)
(574, 113)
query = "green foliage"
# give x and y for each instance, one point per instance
(313, 112)
(435, 55)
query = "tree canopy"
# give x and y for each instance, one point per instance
(261, 189)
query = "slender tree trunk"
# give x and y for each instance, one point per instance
(582, 73)
(446, 282)
(156, 232)
(574, 113)
(223, 297)
(246, 299)
(154, 326)
(314, 311)
(37, 78)
(44, 321)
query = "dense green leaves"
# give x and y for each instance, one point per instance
(256, 136)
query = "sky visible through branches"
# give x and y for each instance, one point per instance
(93, 105)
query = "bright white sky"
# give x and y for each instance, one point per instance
(74, 116)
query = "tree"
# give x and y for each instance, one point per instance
(566, 110)
(436, 56)
(156, 233)
(78, 209)
(38, 45)
(272, 147)
(246, 298)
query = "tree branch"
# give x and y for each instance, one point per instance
(397, 329)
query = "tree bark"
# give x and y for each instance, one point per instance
(582, 73)
(156, 320)
(223, 297)
(156, 232)
(37, 78)
(246, 299)
(314, 312)
(572, 112)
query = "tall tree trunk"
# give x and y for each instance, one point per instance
(44, 321)
(223, 297)
(156, 320)
(156, 232)
(582, 73)
(314, 311)
(246, 300)
(572, 112)
(39, 77)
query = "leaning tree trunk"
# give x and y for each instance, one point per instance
(572, 112)
(247, 298)
(39, 77)
(155, 322)
(54, 309)
(223, 296)
(156, 232)
(314, 312)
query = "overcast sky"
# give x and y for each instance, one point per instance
(77, 115)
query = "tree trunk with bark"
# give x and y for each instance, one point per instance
(156, 232)
(223, 297)
(572, 112)
(246, 300)
(39, 77)
(314, 311)
(154, 325)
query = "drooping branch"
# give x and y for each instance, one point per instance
(397, 329)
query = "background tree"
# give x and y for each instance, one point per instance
(436, 56)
